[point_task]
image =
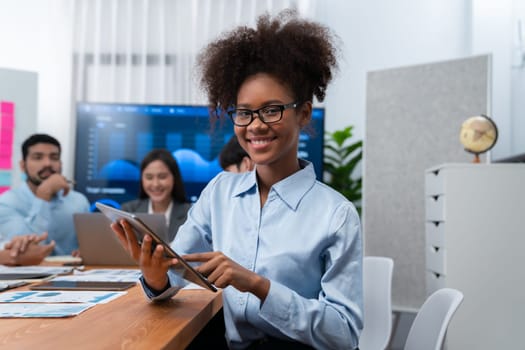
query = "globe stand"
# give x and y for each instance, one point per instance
(478, 134)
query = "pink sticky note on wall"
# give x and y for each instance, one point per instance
(6, 150)
(6, 136)
(7, 108)
(5, 163)
(8, 122)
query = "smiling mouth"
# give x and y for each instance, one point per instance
(157, 193)
(261, 141)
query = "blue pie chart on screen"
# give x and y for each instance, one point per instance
(195, 168)
(120, 169)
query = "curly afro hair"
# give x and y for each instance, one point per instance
(299, 53)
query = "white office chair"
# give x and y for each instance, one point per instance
(377, 298)
(431, 322)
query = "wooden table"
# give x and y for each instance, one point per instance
(129, 322)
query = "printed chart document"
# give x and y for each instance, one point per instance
(103, 275)
(51, 303)
(93, 297)
(31, 272)
(42, 310)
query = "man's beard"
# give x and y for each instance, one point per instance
(38, 180)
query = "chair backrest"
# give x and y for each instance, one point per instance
(377, 299)
(430, 325)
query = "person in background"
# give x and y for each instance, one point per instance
(161, 190)
(285, 248)
(44, 202)
(25, 250)
(234, 158)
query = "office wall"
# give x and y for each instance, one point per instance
(517, 118)
(414, 115)
(20, 89)
(35, 36)
(381, 34)
(498, 27)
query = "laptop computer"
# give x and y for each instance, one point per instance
(99, 245)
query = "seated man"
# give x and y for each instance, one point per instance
(25, 250)
(44, 203)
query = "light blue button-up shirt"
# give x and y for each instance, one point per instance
(306, 240)
(21, 212)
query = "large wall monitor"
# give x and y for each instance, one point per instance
(112, 140)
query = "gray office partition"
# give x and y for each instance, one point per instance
(413, 119)
(19, 91)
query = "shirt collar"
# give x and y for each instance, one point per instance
(248, 182)
(291, 189)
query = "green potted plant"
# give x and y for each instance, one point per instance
(341, 157)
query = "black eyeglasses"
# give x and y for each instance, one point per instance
(268, 114)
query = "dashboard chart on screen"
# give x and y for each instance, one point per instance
(112, 140)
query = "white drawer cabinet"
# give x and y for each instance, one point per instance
(434, 280)
(435, 208)
(435, 234)
(436, 259)
(475, 242)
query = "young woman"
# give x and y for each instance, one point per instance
(286, 248)
(161, 190)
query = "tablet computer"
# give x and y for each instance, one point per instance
(82, 285)
(184, 269)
